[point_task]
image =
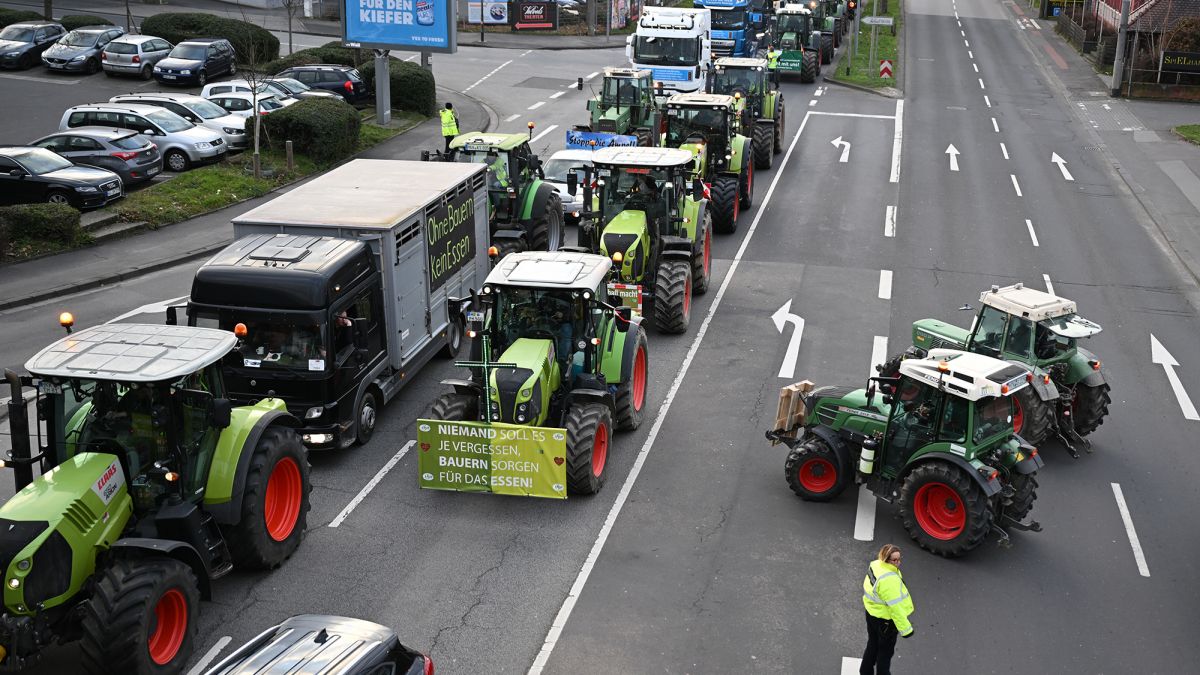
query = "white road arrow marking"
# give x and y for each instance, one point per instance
(781, 318)
(1062, 165)
(845, 146)
(953, 152)
(1160, 355)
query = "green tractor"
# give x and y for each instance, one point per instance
(710, 127)
(152, 484)
(582, 364)
(1069, 397)
(941, 442)
(798, 41)
(525, 211)
(625, 106)
(747, 79)
(653, 221)
(826, 18)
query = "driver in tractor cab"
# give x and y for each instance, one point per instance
(627, 93)
(498, 172)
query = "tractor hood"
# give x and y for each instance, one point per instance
(611, 119)
(626, 233)
(523, 392)
(699, 154)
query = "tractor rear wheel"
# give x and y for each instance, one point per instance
(506, 246)
(944, 509)
(275, 502)
(1033, 418)
(589, 430)
(826, 48)
(644, 137)
(141, 618)
(545, 233)
(763, 141)
(724, 204)
(810, 67)
(780, 127)
(631, 394)
(814, 471)
(673, 296)
(746, 186)
(455, 408)
(1090, 407)
(1021, 503)
(702, 256)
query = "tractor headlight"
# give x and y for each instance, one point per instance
(526, 393)
(14, 583)
(581, 345)
(495, 417)
(522, 407)
(23, 565)
(520, 417)
(314, 412)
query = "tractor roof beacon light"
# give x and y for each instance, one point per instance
(66, 320)
(530, 125)
(240, 330)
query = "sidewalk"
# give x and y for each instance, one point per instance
(119, 259)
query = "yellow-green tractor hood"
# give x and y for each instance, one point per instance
(626, 233)
(521, 395)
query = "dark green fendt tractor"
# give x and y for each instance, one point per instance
(652, 219)
(151, 485)
(798, 41)
(1070, 395)
(762, 105)
(828, 17)
(709, 126)
(941, 443)
(625, 106)
(581, 363)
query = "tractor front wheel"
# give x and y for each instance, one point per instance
(814, 471)
(1025, 491)
(1090, 407)
(673, 296)
(141, 618)
(764, 139)
(631, 394)
(746, 189)
(545, 233)
(702, 256)
(944, 509)
(810, 67)
(455, 408)
(1033, 418)
(724, 204)
(275, 503)
(589, 430)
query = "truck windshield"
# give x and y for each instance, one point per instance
(728, 19)
(663, 51)
(993, 415)
(685, 123)
(275, 342)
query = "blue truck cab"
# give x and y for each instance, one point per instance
(736, 25)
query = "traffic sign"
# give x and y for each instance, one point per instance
(878, 20)
(885, 67)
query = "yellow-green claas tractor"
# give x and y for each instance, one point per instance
(150, 485)
(762, 106)
(710, 127)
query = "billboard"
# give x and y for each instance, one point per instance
(411, 25)
(500, 458)
(495, 12)
(534, 15)
(1180, 62)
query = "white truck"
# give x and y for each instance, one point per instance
(675, 44)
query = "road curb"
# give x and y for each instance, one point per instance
(890, 92)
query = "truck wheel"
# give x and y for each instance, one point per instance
(1021, 503)
(764, 137)
(746, 186)
(644, 137)
(944, 510)
(1033, 418)
(826, 48)
(673, 296)
(545, 233)
(1090, 407)
(724, 204)
(631, 394)
(368, 415)
(141, 619)
(780, 127)
(814, 471)
(455, 408)
(589, 427)
(702, 257)
(809, 67)
(275, 502)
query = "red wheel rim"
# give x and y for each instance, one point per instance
(639, 378)
(939, 511)
(284, 494)
(687, 298)
(170, 627)
(749, 178)
(737, 200)
(1018, 416)
(817, 475)
(707, 249)
(600, 450)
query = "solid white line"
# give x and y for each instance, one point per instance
(1133, 538)
(897, 138)
(1049, 286)
(850, 665)
(512, 117)
(1015, 185)
(975, 66)
(987, 100)
(889, 221)
(151, 308)
(545, 131)
(590, 76)
(995, 125)
(981, 84)
(862, 115)
(885, 284)
(526, 52)
(362, 494)
(45, 80)
(1004, 149)
(480, 80)
(556, 95)
(864, 515)
(564, 612)
(1032, 234)
(412, 58)
(209, 656)
(537, 105)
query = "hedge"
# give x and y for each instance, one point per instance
(333, 52)
(254, 44)
(11, 16)
(57, 223)
(73, 21)
(412, 86)
(324, 129)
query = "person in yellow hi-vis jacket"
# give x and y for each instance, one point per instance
(449, 120)
(888, 605)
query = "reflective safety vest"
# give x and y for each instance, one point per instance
(886, 597)
(449, 123)
(773, 58)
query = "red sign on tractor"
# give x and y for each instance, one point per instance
(885, 67)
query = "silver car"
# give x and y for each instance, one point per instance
(134, 55)
(556, 169)
(196, 110)
(181, 143)
(80, 49)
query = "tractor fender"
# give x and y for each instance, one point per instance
(835, 442)
(589, 395)
(765, 121)
(1045, 391)
(990, 487)
(629, 351)
(1081, 368)
(673, 247)
(466, 387)
(771, 105)
(694, 212)
(231, 463)
(516, 235)
(615, 354)
(740, 158)
(179, 550)
(535, 200)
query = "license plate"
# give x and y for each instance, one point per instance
(151, 171)
(57, 65)
(113, 192)
(167, 77)
(476, 317)
(49, 388)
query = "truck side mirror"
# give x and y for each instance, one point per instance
(221, 412)
(572, 183)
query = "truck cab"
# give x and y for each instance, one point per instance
(675, 44)
(737, 26)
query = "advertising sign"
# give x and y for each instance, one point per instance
(450, 231)
(505, 459)
(1180, 62)
(626, 295)
(534, 15)
(415, 25)
(495, 13)
(582, 140)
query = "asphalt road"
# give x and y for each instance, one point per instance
(696, 557)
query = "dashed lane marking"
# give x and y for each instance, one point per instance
(995, 125)
(1004, 149)
(987, 100)
(1049, 285)
(864, 514)
(975, 66)
(537, 105)
(480, 80)
(889, 221)
(590, 76)
(557, 94)
(512, 117)
(1138, 555)
(362, 494)
(812, 102)
(850, 665)
(545, 131)
(981, 84)
(1032, 234)
(1016, 186)
(970, 54)
(885, 284)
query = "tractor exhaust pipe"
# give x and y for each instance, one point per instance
(18, 427)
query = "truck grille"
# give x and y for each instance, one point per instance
(110, 185)
(609, 126)
(723, 47)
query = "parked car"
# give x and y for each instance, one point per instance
(29, 175)
(242, 103)
(80, 50)
(197, 110)
(130, 155)
(181, 143)
(197, 61)
(134, 55)
(315, 643)
(299, 89)
(22, 44)
(342, 80)
(556, 169)
(242, 86)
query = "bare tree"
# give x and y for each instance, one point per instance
(48, 9)
(292, 7)
(255, 78)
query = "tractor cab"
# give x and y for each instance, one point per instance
(739, 76)
(702, 124)
(623, 90)
(512, 166)
(1029, 326)
(793, 26)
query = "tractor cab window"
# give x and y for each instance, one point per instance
(533, 313)
(993, 415)
(1019, 338)
(622, 91)
(912, 420)
(792, 23)
(193, 396)
(989, 330)
(497, 163)
(1047, 344)
(634, 189)
(127, 420)
(696, 124)
(954, 419)
(729, 80)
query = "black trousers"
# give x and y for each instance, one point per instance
(881, 644)
(448, 139)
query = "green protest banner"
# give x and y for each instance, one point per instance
(506, 459)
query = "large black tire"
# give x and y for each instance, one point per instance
(589, 432)
(780, 126)
(810, 67)
(455, 331)
(1090, 407)
(1033, 418)
(631, 394)
(644, 137)
(141, 619)
(944, 510)
(506, 246)
(546, 232)
(367, 416)
(455, 408)
(764, 139)
(724, 204)
(673, 296)
(746, 179)
(826, 48)
(273, 518)
(1021, 503)
(702, 256)
(814, 471)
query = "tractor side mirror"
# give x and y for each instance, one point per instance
(697, 189)
(870, 395)
(624, 318)
(572, 183)
(221, 412)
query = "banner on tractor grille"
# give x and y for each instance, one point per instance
(594, 140)
(626, 295)
(534, 15)
(507, 459)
